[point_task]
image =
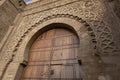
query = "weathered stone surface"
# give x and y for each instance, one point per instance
(95, 22)
(8, 12)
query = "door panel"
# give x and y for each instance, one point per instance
(53, 56)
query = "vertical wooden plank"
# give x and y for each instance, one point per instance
(58, 45)
(67, 72)
(56, 71)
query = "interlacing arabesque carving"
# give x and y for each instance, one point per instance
(103, 40)
(106, 39)
(103, 35)
(56, 16)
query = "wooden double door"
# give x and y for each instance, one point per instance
(53, 56)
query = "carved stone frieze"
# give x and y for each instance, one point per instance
(90, 30)
(98, 29)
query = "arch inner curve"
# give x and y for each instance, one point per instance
(53, 54)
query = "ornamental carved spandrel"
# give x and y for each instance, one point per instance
(85, 13)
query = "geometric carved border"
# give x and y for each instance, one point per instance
(106, 44)
(90, 30)
(105, 38)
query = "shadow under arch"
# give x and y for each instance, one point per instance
(44, 29)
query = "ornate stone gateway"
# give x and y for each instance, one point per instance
(53, 56)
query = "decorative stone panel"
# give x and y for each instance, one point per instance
(88, 12)
(105, 43)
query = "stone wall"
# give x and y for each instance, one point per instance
(8, 12)
(99, 35)
(117, 8)
(112, 17)
(115, 5)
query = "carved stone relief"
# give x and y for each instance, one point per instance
(98, 29)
